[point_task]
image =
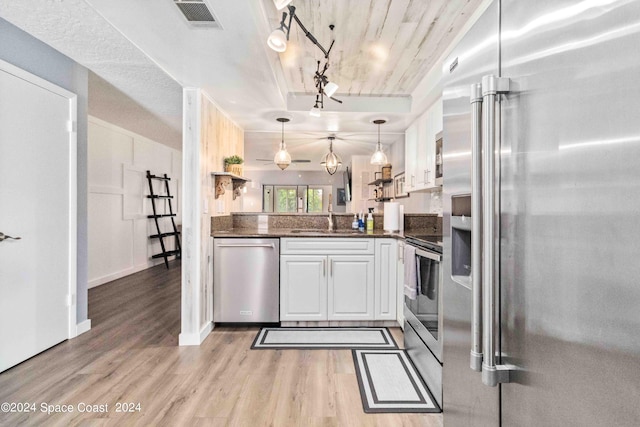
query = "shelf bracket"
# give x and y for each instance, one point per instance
(222, 181)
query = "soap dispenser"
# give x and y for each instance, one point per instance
(370, 220)
(355, 223)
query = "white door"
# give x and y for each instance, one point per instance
(303, 288)
(351, 287)
(37, 199)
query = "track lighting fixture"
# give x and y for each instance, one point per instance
(331, 161)
(282, 158)
(378, 157)
(278, 41)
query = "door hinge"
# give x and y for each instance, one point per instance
(72, 126)
(71, 300)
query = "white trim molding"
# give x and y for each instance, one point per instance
(83, 327)
(197, 338)
(191, 234)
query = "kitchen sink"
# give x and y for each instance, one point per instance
(320, 231)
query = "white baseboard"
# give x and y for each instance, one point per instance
(83, 327)
(195, 338)
(122, 273)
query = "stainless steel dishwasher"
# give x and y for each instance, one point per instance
(246, 280)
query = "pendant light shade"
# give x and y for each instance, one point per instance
(282, 158)
(378, 157)
(331, 161)
(277, 40)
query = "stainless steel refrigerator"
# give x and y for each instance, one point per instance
(542, 217)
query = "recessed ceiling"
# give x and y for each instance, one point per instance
(382, 47)
(384, 50)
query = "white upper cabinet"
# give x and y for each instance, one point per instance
(411, 145)
(420, 149)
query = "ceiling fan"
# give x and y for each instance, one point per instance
(270, 161)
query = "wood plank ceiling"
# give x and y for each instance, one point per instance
(382, 47)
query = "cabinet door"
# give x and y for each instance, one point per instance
(422, 152)
(411, 140)
(400, 286)
(434, 126)
(303, 288)
(351, 287)
(385, 279)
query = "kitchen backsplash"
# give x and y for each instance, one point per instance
(431, 223)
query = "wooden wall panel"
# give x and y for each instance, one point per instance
(220, 137)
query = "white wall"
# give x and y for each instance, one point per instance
(252, 199)
(118, 225)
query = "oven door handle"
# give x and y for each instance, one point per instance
(430, 255)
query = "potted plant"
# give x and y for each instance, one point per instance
(233, 165)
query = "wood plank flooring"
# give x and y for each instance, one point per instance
(131, 355)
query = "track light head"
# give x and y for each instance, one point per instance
(277, 40)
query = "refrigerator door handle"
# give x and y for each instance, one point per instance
(476, 235)
(492, 373)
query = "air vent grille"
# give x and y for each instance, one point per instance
(197, 12)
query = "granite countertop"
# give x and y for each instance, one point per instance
(287, 232)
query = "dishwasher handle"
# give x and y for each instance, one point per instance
(246, 245)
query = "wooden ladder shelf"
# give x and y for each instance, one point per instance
(156, 216)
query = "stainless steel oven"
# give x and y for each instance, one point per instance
(423, 315)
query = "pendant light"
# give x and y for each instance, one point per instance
(282, 158)
(379, 158)
(331, 161)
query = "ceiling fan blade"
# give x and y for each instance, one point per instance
(301, 161)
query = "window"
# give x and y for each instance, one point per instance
(286, 199)
(314, 199)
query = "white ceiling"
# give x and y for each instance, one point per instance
(128, 89)
(139, 49)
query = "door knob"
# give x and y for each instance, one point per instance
(5, 237)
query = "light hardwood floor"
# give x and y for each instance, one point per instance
(131, 355)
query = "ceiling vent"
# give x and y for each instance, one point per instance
(197, 13)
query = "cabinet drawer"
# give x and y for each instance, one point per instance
(327, 246)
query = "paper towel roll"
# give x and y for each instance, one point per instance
(391, 216)
(401, 220)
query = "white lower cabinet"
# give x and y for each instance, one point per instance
(303, 287)
(334, 280)
(400, 285)
(385, 279)
(351, 287)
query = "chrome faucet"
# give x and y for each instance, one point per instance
(330, 221)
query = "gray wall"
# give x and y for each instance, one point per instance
(30, 54)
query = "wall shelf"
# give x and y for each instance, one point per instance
(381, 181)
(224, 179)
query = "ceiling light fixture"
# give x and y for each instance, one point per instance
(378, 157)
(281, 4)
(282, 158)
(331, 161)
(278, 41)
